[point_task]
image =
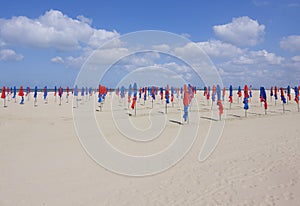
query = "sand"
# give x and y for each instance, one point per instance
(257, 161)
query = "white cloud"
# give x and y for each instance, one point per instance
(53, 29)
(186, 35)
(58, 60)
(291, 43)
(101, 36)
(296, 58)
(258, 57)
(162, 47)
(242, 31)
(84, 19)
(216, 48)
(10, 55)
(103, 56)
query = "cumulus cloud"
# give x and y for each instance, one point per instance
(242, 31)
(258, 58)
(186, 35)
(84, 19)
(290, 43)
(296, 58)
(52, 30)
(57, 60)
(10, 55)
(216, 48)
(162, 47)
(100, 36)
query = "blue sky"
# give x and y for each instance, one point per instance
(253, 42)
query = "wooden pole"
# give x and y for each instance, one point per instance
(166, 108)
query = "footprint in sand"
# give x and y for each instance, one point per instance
(288, 196)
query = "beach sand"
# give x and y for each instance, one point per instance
(257, 161)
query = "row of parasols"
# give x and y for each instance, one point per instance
(186, 93)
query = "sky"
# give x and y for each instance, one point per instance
(249, 41)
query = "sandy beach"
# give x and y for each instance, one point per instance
(257, 161)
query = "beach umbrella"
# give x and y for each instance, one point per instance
(192, 92)
(246, 97)
(298, 92)
(101, 96)
(117, 91)
(86, 92)
(296, 89)
(45, 94)
(204, 91)
(264, 98)
(76, 91)
(15, 93)
(283, 99)
(213, 93)
(82, 91)
(76, 94)
(122, 92)
(145, 94)
(275, 94)
(181, 93)
(172, 95)
(60, 93)
(161, 93)
(133, 105)
(91, 92)
(21, 94)
(140, 92)
(27, 92)
(191, 95)
(129, 94)
(239, 93)
(250, 92)
(149, 91)
(208, 94)
(185, 103)
(230, 95)
(271, 93)
(35, 95)
(167, 97)
(223, 94)
(3, 96)
(55, 91)
(68, 93)
(153, 94)
(289, 94)
(219, 101)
